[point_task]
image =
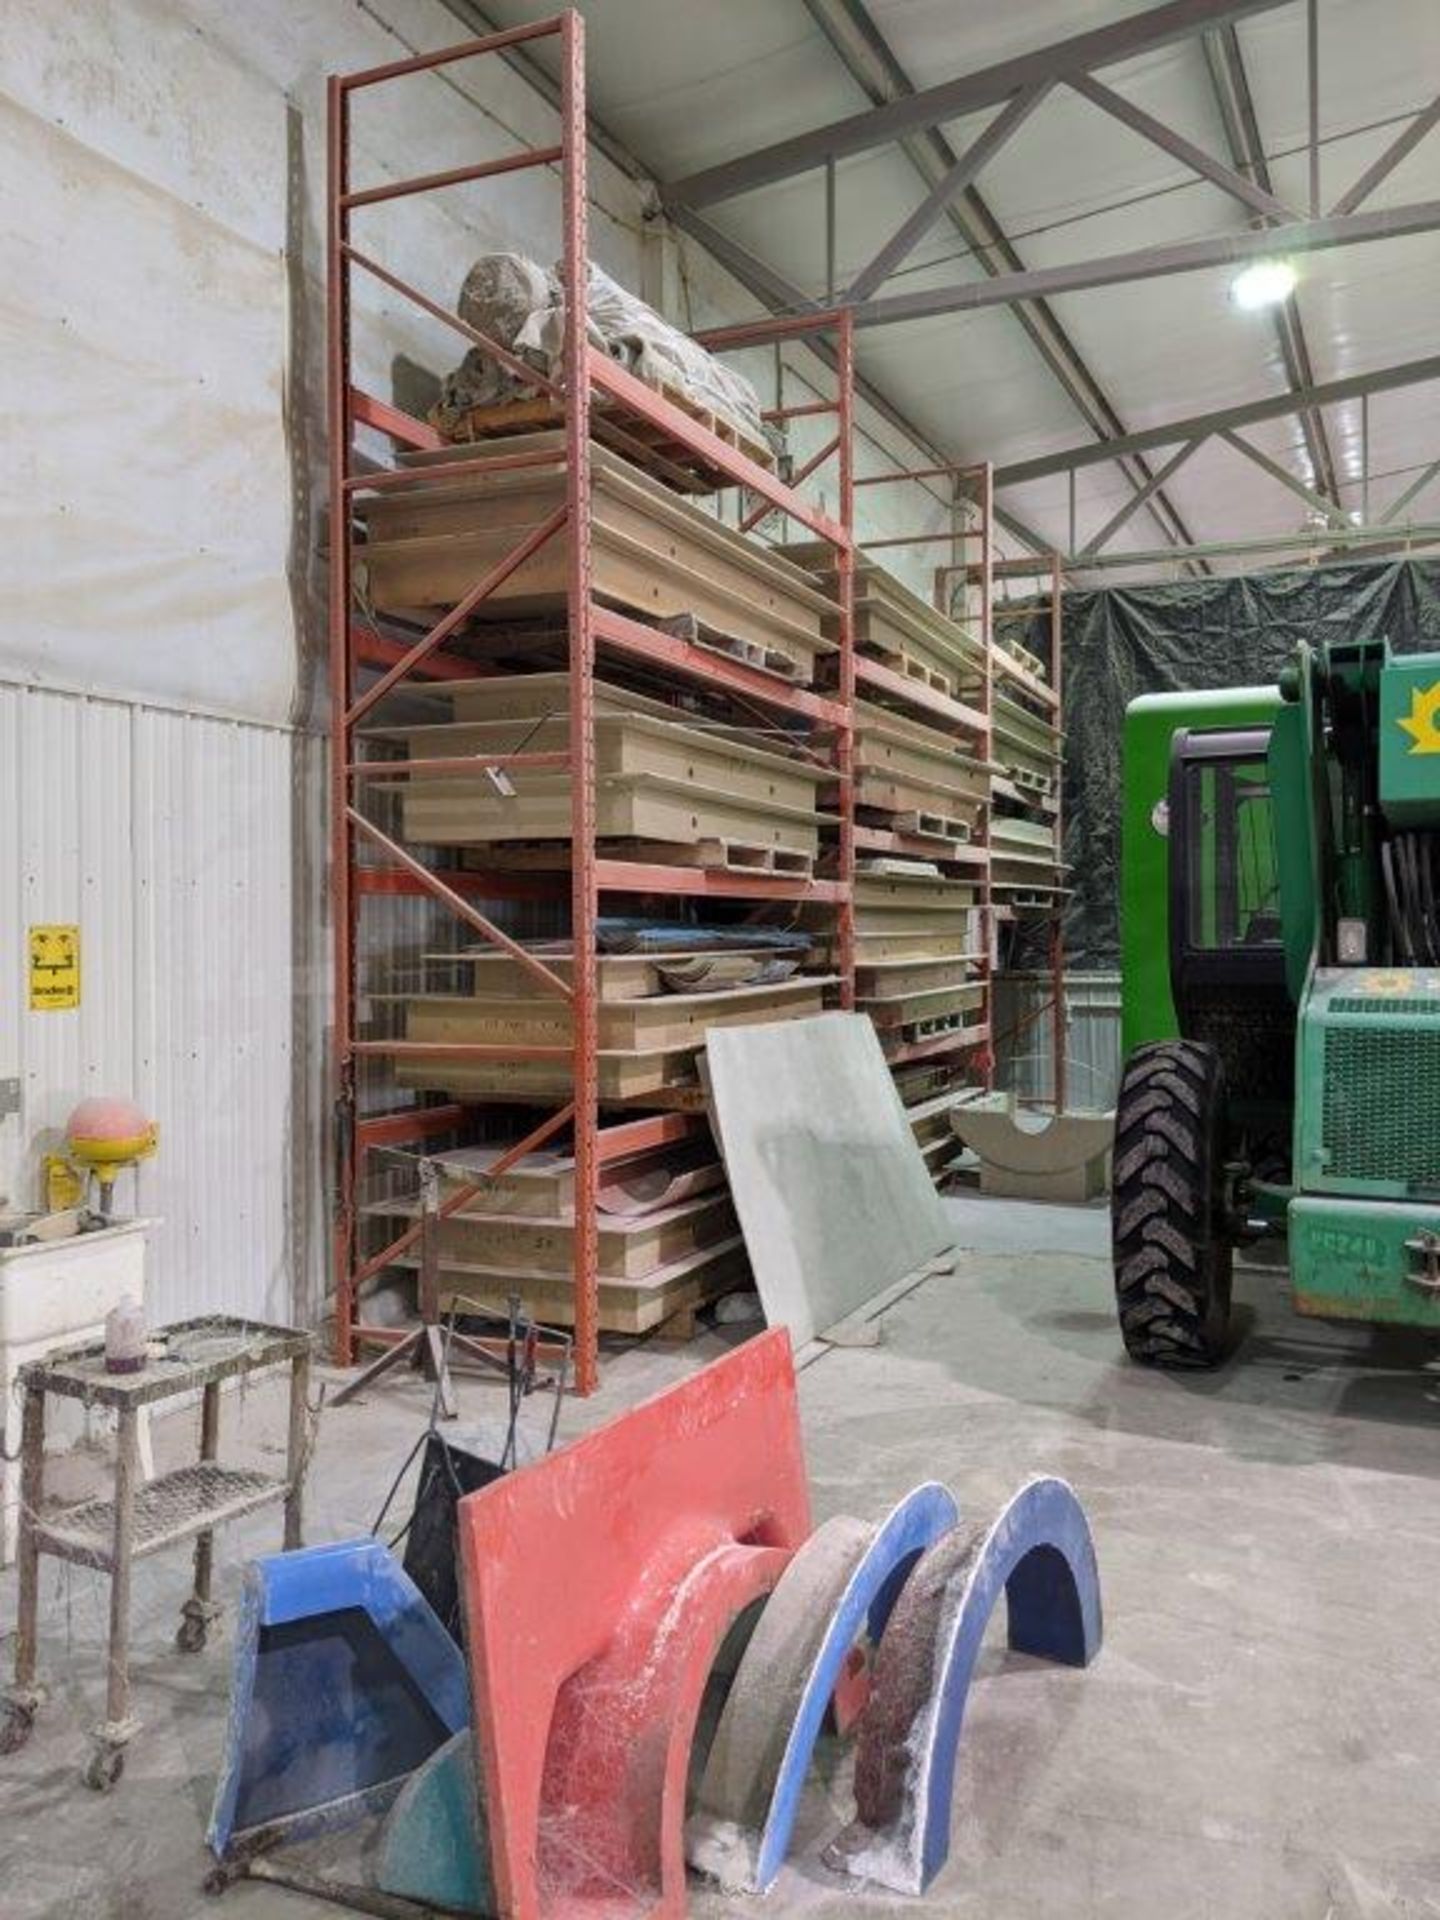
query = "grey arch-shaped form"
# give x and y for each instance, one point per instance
(1040, 1553)
(847, 1576)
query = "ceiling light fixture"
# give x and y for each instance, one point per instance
(1265, 284)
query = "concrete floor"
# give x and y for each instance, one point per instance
(1260, 1736)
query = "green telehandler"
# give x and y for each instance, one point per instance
(1280, 918)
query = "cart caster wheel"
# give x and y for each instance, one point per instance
(104, 1768)
(191, 1635)
(16, 1728)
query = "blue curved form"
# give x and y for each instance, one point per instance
(1039, 1551)
(845, 1580)
(344, 1681)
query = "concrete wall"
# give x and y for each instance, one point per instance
(161, 664)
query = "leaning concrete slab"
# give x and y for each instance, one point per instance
(832, 1192)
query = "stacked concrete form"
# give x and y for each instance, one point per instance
(957, 763)
(694, 793)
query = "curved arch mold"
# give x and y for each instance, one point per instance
(847, 1575)
(1039, 1552)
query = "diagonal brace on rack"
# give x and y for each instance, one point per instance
(458, 614)
(521, 369)
(429, 878)
(816, 460)
(470, 1191)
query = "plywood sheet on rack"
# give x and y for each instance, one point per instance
(833, 1195)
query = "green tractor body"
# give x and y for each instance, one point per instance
(1280, 910)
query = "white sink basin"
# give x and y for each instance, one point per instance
(57, 1294)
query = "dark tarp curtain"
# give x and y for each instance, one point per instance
(1123, 641)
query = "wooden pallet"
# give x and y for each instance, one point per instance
(950, 1026)
(732, 646)
(654, 448)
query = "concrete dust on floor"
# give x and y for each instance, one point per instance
(1258, 1737)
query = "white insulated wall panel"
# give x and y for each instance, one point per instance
(179, 847)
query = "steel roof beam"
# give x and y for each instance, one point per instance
(1151, 263)
(1157, 480)
(871, 63)
(1327, 509)
(1179, 148)
(769, 288)
(1397, 506)
(1231, 86)
(1274, 406)
(1399, 147)
(777, 294)
(952, 183)
(1326, 542)
(970, 93)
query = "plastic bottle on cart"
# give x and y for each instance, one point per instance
(125, 1337)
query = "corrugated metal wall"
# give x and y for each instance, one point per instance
(1025, 1059)
(181, 846)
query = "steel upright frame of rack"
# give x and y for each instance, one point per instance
(1052, 565)
(973, 485)
(354, 646)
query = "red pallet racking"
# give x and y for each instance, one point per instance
(357, 652)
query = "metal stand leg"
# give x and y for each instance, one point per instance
(24, 1698)
(111, 1737)
(425, 1347)
(403, 1351)
(295, 1461)
(199, 1610)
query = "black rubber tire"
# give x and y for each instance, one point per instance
(1172, 1253)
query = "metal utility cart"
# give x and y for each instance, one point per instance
(144, 1518)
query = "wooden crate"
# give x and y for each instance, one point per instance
(877, 895)
(893, 979)
(665, 1022)
(621, 1076)
(430, 543)
(625, 1073)
(911, 1009)
(902, 765)
(925, 938)
(658, 776)
(671, 1294)
(630, 1247)
(1026, 747)
(898, 628)
(467, 812)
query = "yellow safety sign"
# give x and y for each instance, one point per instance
(54, 969)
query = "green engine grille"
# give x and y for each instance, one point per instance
(1373, 1005)
(1382, 1094)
